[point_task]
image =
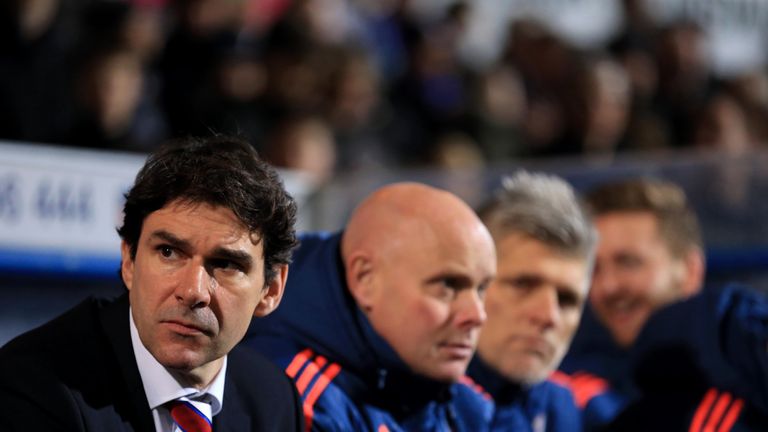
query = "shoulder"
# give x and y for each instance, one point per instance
(46, 372)
(310, 377)
(589, 394)
(691, 411)
(580, 387)
(329, 394)
(77, 332)
(250, 371)
(258, 395)
(81, 318)
(474, 406)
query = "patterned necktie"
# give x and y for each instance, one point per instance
(189, 418)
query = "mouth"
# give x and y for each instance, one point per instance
(457, 350)
(185, 328)
(622, 310)
(538, 346)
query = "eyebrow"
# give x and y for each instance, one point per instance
(461, 279)
(172, 239)
(243, 258)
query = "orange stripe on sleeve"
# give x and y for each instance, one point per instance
(322, 382)
(586, 387)
(731, 416)
(561, 378)
(583, 386)
(717, 412)
(469, 382)
(702, 410)
(309, 372)
(297, 362)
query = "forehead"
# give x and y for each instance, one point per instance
(201, 223)
(636, 227)
(459, 247)
(521, 254)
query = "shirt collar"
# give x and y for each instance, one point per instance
(161, 387)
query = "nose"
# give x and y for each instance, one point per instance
(470, 310)
(545, 312)
(195, 287)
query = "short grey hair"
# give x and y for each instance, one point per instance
(543, 207)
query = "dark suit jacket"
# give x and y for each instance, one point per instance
(78, 373)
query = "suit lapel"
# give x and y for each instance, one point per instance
(116, 325)
(233, 416)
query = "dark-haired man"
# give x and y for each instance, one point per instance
(206, 241)
(649, 255)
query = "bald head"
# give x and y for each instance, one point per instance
(417, 260)
(390, 214)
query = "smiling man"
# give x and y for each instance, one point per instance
(545, 246)
(206, 241)
(649, 255)
(380, 320)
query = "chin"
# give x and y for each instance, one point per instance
(530, 373)
(181, 361)
(447, 373)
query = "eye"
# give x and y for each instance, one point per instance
(629, 261)
(451, 283)
(166, 251)
(567, 299)
(525, 283)
(225, 264)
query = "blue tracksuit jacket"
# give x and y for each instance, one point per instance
(544, 407)
(702, 364)
(349, 378)
(598, 372)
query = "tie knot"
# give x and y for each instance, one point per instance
(190, 416)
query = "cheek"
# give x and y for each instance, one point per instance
(503, 313)
(432, 314)
(660, 281)
(570, 324)
(237, 302)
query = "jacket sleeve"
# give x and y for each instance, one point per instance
(33, 400)
(718, 338)
(743, 335)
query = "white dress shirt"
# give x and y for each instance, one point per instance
(161, 387)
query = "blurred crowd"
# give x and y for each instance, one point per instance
(329, 86)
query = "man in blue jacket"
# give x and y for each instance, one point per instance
(649, 255)
(379, 322)
(545, 246)
(688, 358)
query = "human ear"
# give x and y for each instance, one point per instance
(694, 272)
(359, 269)
(274, 290)
(126, 265)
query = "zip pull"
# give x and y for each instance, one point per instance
(450, 415)
(382, 378)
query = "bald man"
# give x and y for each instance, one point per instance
(379, 322)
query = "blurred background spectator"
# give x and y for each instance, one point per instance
(396, 83)
(345, 95)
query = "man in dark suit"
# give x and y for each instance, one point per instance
(206, 240)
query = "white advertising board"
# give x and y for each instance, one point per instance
(59, 207)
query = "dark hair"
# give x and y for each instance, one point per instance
(220, 171)
(678, 224)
